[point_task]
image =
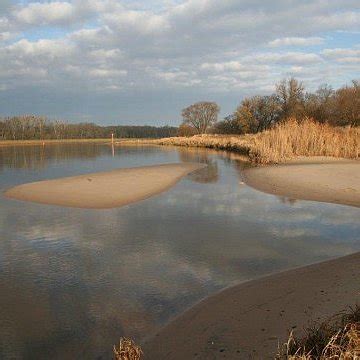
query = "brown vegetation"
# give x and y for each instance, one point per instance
(257, 113)
(305, 138)
(30, 127)
(284, 141)
(186, 130)
(201, 115)
(127, 350)
(338, 338)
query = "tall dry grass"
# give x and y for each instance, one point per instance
(337, 338)
(285, 141)
(306, 138)
(127, 350)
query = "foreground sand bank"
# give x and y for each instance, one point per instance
(105, 189)
(248, 320)
(314, 178)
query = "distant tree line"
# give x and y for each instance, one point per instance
(339, 107)
(27, 127)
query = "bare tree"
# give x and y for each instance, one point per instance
(230, 125)
(325, 92)
(57, 127)
(347, 105)
(320, 105)
(258, 113)
(2, 129)
(291, 96)
(201, 115)
(14, 126)
(186, 130)
(40, 124)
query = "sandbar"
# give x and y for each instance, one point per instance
(315, 178)
(104, 190)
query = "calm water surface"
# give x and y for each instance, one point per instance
(72, 281)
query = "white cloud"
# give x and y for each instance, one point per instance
(343, 55)
(5, 36)
(346, 20)
(4, 23)
(296, 41)
(45, 13)
(106, 73)
(41, 48)
(286, 58)
(141, 22)
(334, 53)
(221, 67)
(350, 59)
(207, 45)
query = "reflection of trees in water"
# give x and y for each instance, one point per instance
(287, 200)
(36, 157)
(209, 174)
(237, 161)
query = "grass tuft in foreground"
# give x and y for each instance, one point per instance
(338, 338)
(285, 141)
(127, 350)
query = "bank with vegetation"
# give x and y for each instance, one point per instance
(284, 141)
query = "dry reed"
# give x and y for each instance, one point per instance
(336, 339)
(127, 350)
(283, 142)
(306, 138)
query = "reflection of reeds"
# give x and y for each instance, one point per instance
(285, 141)
(337, 339)
(127, 350)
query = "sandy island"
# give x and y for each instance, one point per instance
(248, 321)
(314, 178)
(104, 190)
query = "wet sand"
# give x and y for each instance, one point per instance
(105, 189)
(248, 321)
(315, 178)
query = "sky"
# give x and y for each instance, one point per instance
(142, 62)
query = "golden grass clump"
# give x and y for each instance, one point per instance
(345, 344)
(127, 350)
(305, 138)
(339, 339)
(284, 141)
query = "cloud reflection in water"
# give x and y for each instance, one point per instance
(74, 280)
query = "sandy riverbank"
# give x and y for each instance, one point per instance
(105, 189)
(314, 178)
(248, 320)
